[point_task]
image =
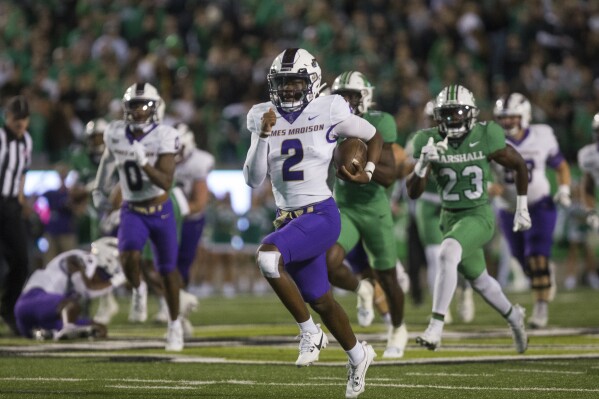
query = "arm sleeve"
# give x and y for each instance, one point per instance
(255, 167)
(354, 126)
(256, 163)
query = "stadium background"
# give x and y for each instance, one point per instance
(73, 59)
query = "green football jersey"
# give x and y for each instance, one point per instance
(348, 193)
(463, 171)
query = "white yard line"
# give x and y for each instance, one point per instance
(194, 384)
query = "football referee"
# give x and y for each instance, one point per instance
(15, 159)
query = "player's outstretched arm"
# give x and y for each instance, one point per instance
(511, 159)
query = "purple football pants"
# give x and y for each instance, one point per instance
(536, 241)
(303, 243)
(37, 308)
(160, 227)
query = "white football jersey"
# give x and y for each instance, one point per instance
(194, 168)
(54, 278)
(588, 161)
(300, 151)
(135, 184)
(539, 148)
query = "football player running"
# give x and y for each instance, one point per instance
(360, 205)
(538, 146)
(293, 138)
(458, 153)
(427, 211)
(48, 307)
(143, 151)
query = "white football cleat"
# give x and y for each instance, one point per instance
(431, 338)
(516, 323)
(356, 375)
(396, 342)
(174, 336)
(107, 308)
(310, 346)
(138, 313)
(365, 306)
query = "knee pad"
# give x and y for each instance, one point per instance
(539, 272)
(268, 263)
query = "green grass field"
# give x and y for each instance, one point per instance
(245, 348)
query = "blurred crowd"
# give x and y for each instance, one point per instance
(209, 59)
(73, 59)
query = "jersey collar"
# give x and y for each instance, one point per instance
(146, 131)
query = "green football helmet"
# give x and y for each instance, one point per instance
(455, 111)
(356, 88)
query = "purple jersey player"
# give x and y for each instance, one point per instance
(293, 138)
(143, 152)
(539, 148)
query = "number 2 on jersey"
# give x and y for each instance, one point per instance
(296, 158)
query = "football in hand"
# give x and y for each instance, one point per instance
(348, 152)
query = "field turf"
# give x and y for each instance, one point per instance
(245, 348)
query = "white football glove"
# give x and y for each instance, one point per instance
(441, 146)
(428, 154)
(562, 197)
(593, 220)
(522, 218)
(140, 153)
(99, 199)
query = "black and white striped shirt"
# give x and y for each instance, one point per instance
(15, 160)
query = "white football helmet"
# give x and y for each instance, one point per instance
(186, 139)
(291, 64)
(106, 250)
(94, 139)
(356, 82)
(513, 104)
(455, 111)
(142, 106)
